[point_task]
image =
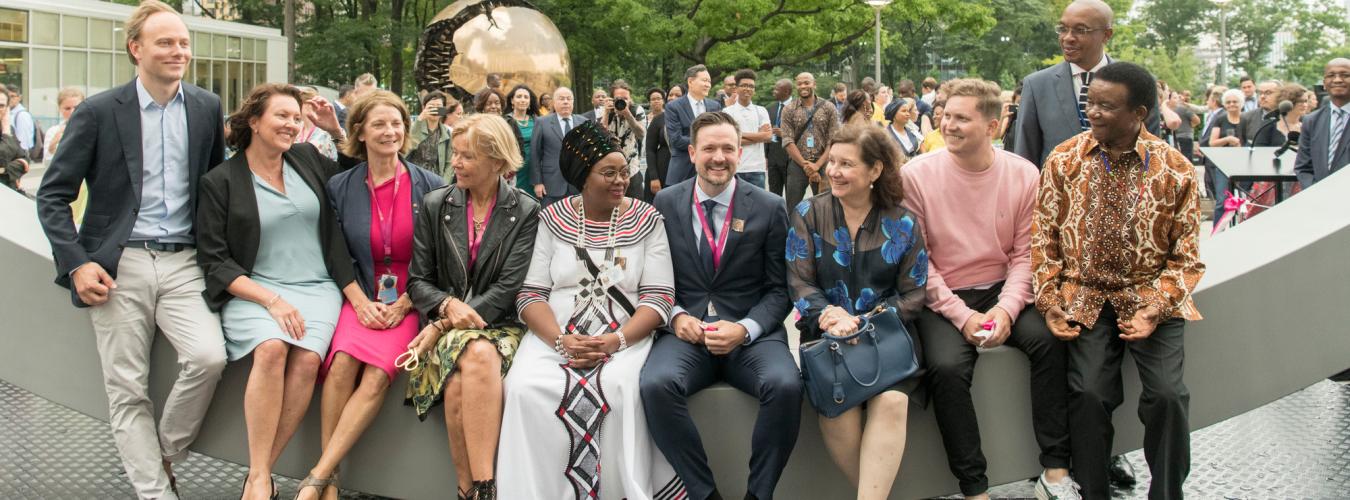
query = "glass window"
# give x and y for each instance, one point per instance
(218, 80)
(248, 50)
(12, 60)
(237, 88)
(74, 31)
(101, 34)
(75, 68)
(260, 51)
(46, 28)
(201, 74)
(125, 70)
(13, 25)
(100, 72)
(218, 46)
(201, 45)
(234, 50)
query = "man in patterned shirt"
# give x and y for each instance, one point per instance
(1116, 256)
(808, 125)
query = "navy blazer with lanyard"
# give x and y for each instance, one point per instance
(749, 282)
(350, 194)
(102, 147)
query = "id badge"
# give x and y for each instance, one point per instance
(611, 276)
(387, 291)
(810, 142)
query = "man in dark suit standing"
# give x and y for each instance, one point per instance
(729, 310)
(1324, 147)
(141, 148)
(1267, 101)
(1054, 100)
(546, 146)
(773, 151)
(680, 114)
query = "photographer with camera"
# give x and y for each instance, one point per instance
(1008, 119)
(624, 119)
(430, 135)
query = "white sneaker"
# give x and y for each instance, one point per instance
(1066, 489)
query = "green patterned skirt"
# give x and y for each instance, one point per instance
(427, 382)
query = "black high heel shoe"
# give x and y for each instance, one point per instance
(244, 488)
(485, 490)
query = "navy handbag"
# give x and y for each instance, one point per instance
(839, 376)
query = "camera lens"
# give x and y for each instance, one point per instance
(620, 104)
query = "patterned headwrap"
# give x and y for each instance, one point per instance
(582, 148)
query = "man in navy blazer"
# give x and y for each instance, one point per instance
(141, 148)
(730, 303)
(546, 148)
(680, 114)
(1326, 127)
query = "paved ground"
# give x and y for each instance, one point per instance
(1296, 447)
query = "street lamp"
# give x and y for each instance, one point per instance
(1223, 40)
(876, 6)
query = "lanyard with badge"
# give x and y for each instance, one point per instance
(387, 283)
(720, 242)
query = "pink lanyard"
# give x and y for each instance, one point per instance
(386, 226)
(719, 243)
(476, 237)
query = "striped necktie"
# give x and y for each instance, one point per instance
(1082, 101)
(1337, 130)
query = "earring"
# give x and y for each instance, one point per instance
(871, 185)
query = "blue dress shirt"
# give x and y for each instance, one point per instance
(164, 215)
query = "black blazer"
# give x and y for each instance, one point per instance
(102, 147)
(351, 198)
(657, 151)
(751, 281)
(228, 229)
(679, 118)
(1314, 145)
(441, 254)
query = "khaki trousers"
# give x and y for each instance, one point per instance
(161, 289)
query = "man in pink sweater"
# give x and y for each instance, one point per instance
(975, 205)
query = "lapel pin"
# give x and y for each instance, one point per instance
(738, 225)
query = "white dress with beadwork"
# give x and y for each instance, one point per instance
(582, 434)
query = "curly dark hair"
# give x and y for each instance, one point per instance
(875, 147)
(253, 107)
(480, 100)
(531, 110)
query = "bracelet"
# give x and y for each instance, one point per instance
(623, 342)
(558, 347)
(272, 302)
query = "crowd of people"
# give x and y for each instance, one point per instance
(508, 257)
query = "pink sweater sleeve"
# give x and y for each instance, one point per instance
(938, 296)
(1017, 291)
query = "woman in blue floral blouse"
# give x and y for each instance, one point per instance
(849, 251)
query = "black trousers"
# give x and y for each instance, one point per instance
(1187, 147)
(777, 160)
(797, 183)
(764, 369)
(1095, 392)
(951, 366)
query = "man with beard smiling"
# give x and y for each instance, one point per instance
(1115, 254)
(142, 148)
(730, 302)
(974, 203)
(1053, 98)
(1322, 147)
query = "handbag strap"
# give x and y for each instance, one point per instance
(612, 291)
(843, 360)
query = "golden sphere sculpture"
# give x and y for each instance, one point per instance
(471, 39)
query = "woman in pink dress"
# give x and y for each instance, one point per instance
(377, 203)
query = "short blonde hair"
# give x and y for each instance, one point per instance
(987, 94)
(492, 137)
(356, 119)
(67, 93)
(136, 22)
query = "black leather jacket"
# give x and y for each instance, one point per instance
(441, 254)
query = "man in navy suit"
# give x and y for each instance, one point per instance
(141, 149)
(1324, 147)
(730, 303)
(546, 148)
(680, 114)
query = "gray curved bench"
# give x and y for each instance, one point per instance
(1276, 299)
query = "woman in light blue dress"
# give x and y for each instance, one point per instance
(276, 266)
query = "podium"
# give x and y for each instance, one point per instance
(1242, 164)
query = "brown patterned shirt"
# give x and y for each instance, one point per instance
(1117, 231)
(795, 116)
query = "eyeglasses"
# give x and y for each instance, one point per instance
(610, 175)
(1079, 31)
(1337, 75)
(747, 86)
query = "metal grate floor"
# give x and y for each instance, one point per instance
(1296, 447)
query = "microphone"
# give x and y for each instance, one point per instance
(1290, 143)
(1284, 108)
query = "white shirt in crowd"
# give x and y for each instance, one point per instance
(750, 119)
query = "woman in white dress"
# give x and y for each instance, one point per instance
(599, 284)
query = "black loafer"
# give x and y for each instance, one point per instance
(1120, 472)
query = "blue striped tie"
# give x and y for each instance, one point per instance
(1337, 129)
(1082, 101)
